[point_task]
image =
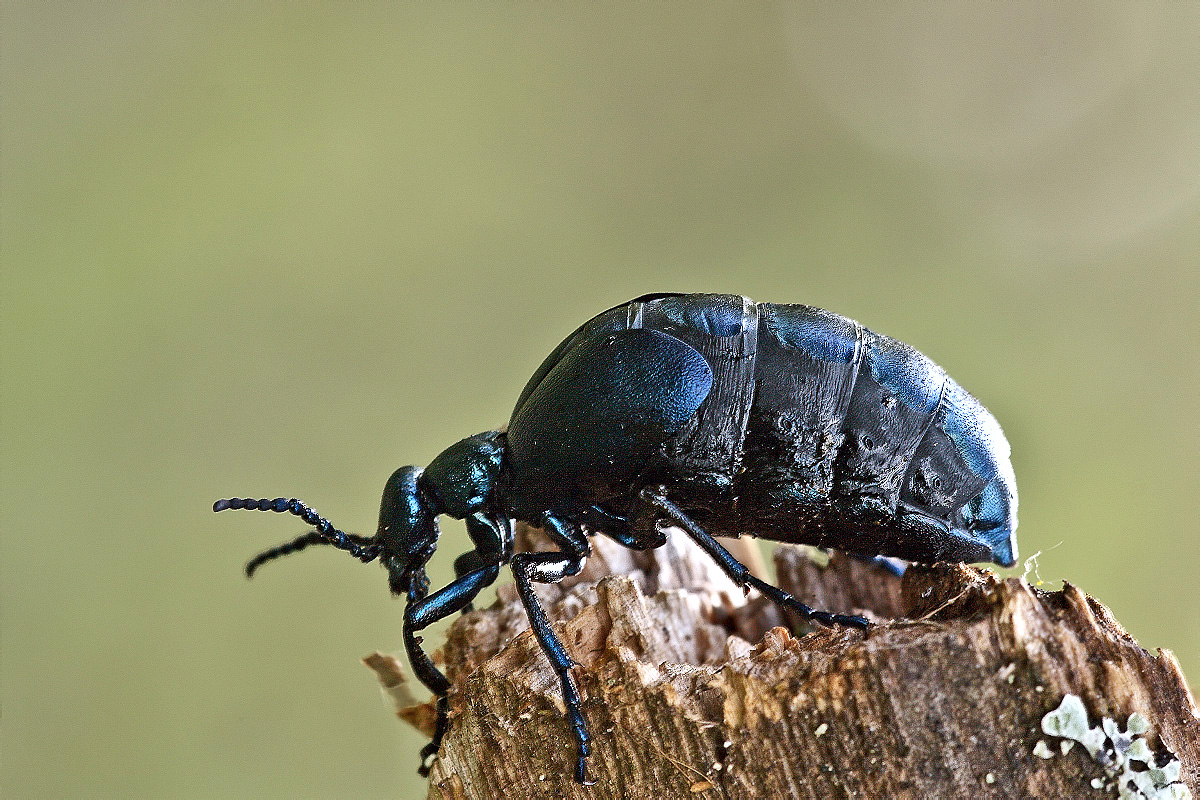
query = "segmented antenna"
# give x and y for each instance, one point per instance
(361, 547)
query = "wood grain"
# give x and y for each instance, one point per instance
(691, 690)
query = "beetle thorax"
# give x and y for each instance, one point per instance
(462, 479)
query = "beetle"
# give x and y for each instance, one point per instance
(710, 413)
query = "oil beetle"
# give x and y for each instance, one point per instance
(711, 413)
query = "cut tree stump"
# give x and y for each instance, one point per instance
(692, 691)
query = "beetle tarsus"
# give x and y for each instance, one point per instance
(785, 600)
(429, 752)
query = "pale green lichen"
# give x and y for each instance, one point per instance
(1116, 750)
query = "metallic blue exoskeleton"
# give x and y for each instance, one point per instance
(712, 413)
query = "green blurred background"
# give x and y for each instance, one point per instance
(285, 248)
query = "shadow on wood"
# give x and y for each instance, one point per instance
(693, 691)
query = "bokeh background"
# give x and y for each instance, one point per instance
(274, 248)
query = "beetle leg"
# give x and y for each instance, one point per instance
(618, 528)
(490, 537)
(637, 540)
(464, 565)
(896, 566)
(552, 567)
(420, 614)
(738, 571)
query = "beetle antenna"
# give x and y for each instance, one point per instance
(361, 547)
(298, 544)
(287, 548)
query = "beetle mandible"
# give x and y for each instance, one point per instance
(711, 413)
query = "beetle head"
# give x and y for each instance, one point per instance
(462, 480)
(408, 531)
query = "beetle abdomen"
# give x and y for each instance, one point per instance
(806, 423)
(896, 392)
(840, 413)
(806, 365)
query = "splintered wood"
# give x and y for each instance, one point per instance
(691, 690)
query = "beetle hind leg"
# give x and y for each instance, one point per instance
(737, 571)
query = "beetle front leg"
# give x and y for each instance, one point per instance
(464, 565)
(552, 567)
(737, 571)
(420, 614)
(492, 537)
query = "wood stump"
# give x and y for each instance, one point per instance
(964, 688)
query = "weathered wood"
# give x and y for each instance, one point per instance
(693, 691)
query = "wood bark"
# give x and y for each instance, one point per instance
(691, 690)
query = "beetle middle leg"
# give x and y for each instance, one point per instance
(552, 567)
(736, 570)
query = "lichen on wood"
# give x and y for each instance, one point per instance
(693, 690)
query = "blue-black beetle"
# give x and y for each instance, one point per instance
(712, 413)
